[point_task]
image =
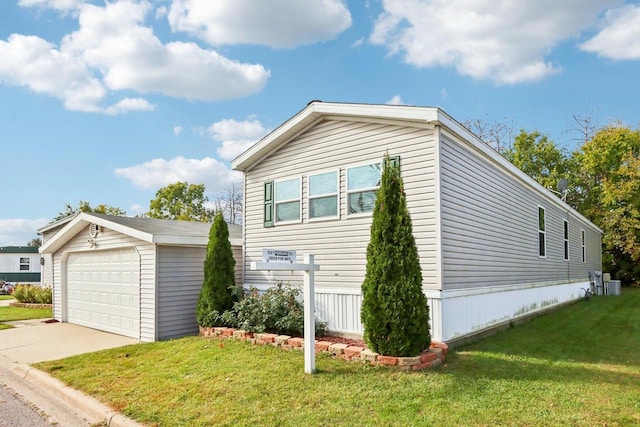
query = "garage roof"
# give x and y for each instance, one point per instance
(158, 231)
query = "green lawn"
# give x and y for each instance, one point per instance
(4, 297)
(8, 314)
(579, 366)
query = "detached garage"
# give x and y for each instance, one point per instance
(138, 277)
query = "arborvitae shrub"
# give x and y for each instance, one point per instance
(218, 294)
(394, 312)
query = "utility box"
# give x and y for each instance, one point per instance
(614, 287)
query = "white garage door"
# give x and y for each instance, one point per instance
(103, 290)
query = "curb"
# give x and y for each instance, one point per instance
(93, 409)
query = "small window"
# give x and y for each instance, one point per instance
(287, 200)
(362, 184)
(323, 195)
(542, 233)
(565, 238)
(24, 264)
(583, 245)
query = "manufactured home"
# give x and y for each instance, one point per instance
(494, 245)
(138, 277)
(20, 264)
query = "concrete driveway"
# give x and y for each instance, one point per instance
(32, 341)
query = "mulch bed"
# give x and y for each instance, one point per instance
(342, 340)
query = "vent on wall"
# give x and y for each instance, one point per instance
(94, 229)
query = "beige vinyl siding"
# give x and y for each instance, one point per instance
(339, 245)
(47, 270)
(109, 239)
(180, 276)
(490, 226)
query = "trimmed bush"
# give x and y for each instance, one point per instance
(394, 311)
(217, 294)
(278, 310)
(29, 294)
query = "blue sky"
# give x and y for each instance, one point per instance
(108, 102)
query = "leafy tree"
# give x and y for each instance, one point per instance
(218, 293)
(394, 308)
(35, 242)
(537, 156)
(608, 182)
(84, 206)
(181, 201)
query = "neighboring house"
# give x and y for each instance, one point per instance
(494, 245)
(20, 264)
(138, 277)
(47, 232)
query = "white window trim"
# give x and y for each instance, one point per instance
(544, 232)
(583, 244)
(565, 240)
(347, 191)
(276, 202)
(337, 194)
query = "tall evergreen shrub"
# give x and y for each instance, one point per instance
(394, 312)
(217, 294)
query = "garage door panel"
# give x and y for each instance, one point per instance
(103, 290)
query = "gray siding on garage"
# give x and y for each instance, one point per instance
(109, 239)
(339, 245)
(490, 226)
(180, 276)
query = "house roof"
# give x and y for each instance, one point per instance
(56, 224)
(151, 230)
(316, 111)
(18, 250)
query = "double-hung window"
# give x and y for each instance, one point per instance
(542, 233)
(362, 184)
(565, 238)
(288, 200)
(25, 264)
(323, 195)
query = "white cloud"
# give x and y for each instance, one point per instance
(504, 42)
(177, 130)
(113, 50)
(396, 100)
(620, 37)
(236, 136)
(61, 5)
(19, 231)
(129, 104)
(32, 62)
(274, 23)
(159, 173)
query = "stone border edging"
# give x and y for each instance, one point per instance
(434, 356)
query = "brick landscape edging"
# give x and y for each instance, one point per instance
(29, 305)
(434, 356)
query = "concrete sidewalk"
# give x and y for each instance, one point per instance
(32, 341)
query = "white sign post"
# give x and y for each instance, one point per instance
(279, 260)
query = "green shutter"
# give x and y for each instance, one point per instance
(268, 204)
(395, 161)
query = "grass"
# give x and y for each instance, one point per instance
(4, 297)
(579, 366)
(9, 314)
